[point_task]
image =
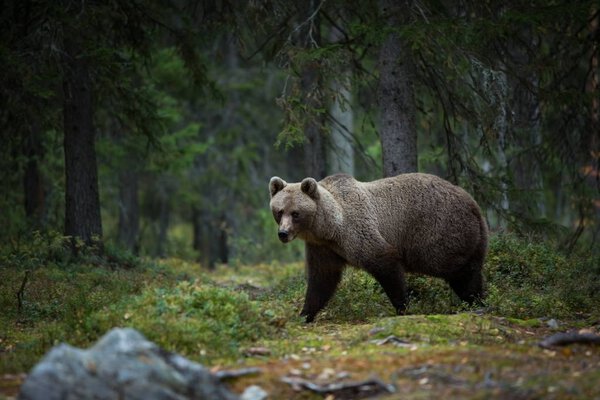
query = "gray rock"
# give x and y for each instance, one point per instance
(552, 323)
(254, 392)
(121, 365)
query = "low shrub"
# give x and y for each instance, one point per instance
(531, 279)
(198, 319)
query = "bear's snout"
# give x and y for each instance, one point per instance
(283, 235)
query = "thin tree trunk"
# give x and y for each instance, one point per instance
(196, 230)
(341, 150)
(499, 92)
(129, 210)
(164, 217)
(32, 178)
(82, 202)
(204, 238)
(395, 95)
(310, 84)
(526, 131)
(592, 84)
(128, 234)
(341, 153)
(314, 146)
(222, 241)
(591, 87)
(504, 200)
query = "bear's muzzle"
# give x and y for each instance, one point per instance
(284, 236)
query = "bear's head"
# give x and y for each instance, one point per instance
(294, 206)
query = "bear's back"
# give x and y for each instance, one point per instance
(431, 219)
(422, 215)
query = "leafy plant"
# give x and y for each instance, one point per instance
(198, 319)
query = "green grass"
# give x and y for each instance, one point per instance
(214, 317)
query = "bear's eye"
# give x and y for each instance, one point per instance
(295, 214)
(278, 215)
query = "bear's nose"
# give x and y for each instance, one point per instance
(283, 235)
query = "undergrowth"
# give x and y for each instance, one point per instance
(198, 319)
(46, 297)
(531, 279)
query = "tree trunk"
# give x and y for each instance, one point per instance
(341, 153)
(164, 217)
(341, 150)
(314, 146)
(82, 203)
(395, 95)
(310, 84)
(504, 167)
(129, 210)
(526, 131)
(204, 240)
(223, 244)
(196, 230)
(591, 87)
(32, 178)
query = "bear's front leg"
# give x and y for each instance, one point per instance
(323, 273)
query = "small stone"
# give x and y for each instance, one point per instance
(552, 323)
(326, 374)
(254, 392)
(375, 330)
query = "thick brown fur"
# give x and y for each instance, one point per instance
(409, 223)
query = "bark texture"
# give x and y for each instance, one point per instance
(526, 129)
(82, 204)
(395, 95)
(310, 83)
(341, 149)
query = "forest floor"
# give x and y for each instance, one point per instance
(458, 356)
(467, 355)
(245, 319)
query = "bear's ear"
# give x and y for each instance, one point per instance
(276, 184)
(310, 187)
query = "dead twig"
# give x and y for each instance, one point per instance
(236, 373)
(392, 339)
(567, 338)
(21, 291)
(344, 390)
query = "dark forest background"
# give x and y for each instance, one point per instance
(153, 127)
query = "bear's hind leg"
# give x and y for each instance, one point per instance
(388, 271)
(468, 286)
(394, 285)
(467, 283)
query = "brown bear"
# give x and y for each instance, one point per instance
(408, 223)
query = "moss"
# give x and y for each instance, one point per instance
(198, 319)
(526, 323)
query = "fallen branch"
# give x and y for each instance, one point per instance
(236, 373)
(567, 338)
(366, 388)
(395, 340)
